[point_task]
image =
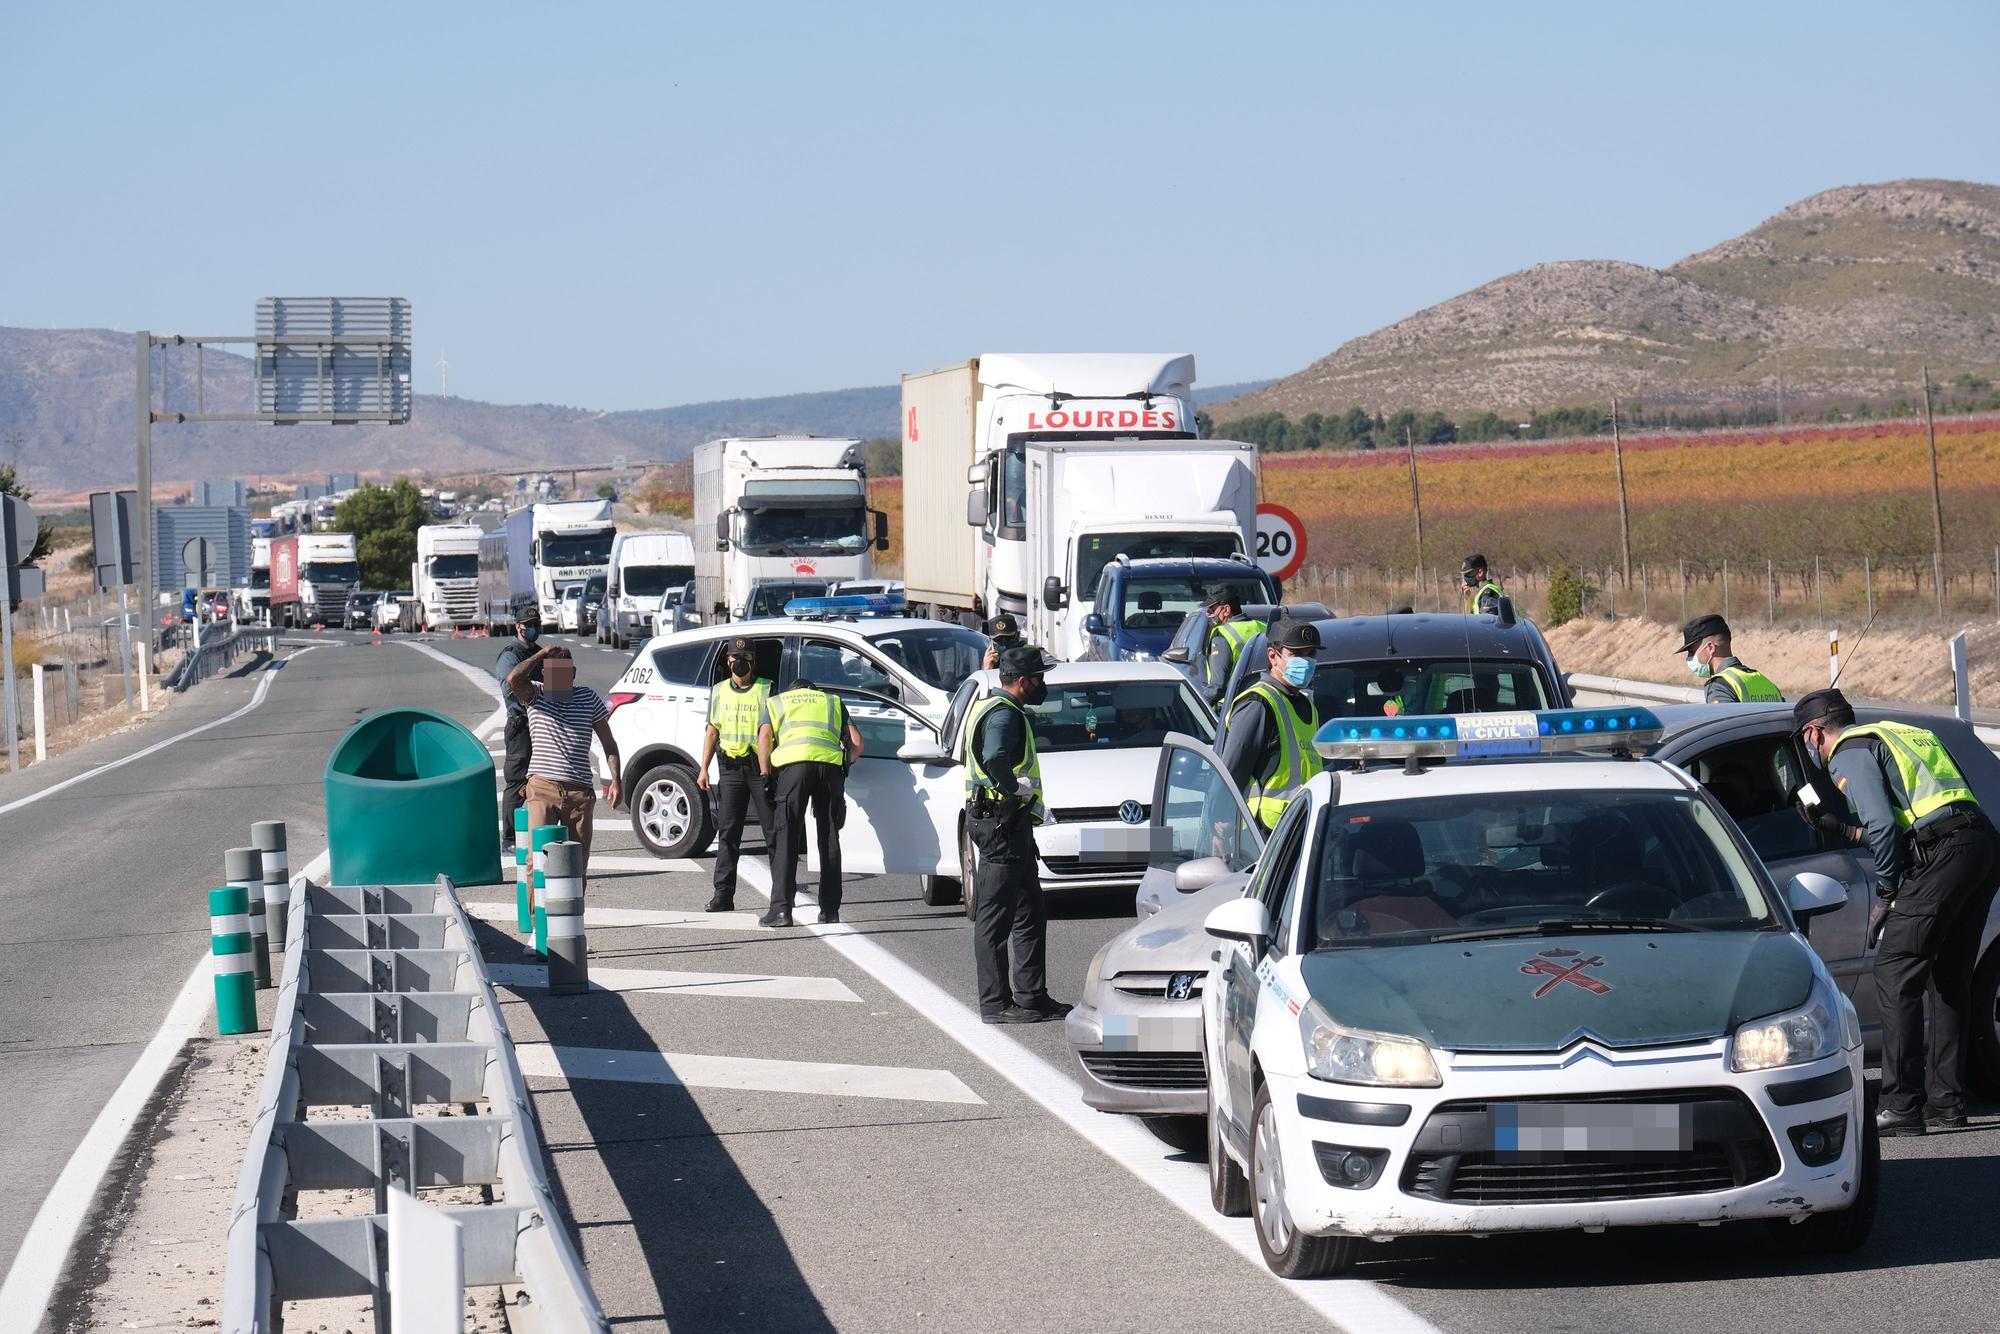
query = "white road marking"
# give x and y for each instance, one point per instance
(45, 1250)
(617, 863)
(623, 917)
(263, 687)
(744, 1072)
(1355, 1305)
(758, 986)
(484, 680)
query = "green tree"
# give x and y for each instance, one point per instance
(607, 491)
(1358, 428)
(884, 456)
(10, 485)
(1567, 591)
(384, 521)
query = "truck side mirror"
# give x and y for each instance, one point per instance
(1054, 595)
(722, 531)
(881, 530)
(975, 508)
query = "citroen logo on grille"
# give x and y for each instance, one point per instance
(1131, 812)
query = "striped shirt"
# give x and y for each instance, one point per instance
(559, 732)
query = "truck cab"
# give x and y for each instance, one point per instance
(1140, 602)
(783, 507)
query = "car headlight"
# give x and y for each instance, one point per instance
(1139, 655)
(1355, 1056)
(1093, 977)
(1812, 1032)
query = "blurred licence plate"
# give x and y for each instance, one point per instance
(1127, 845)
(1592, 1127)
(1152, 1032)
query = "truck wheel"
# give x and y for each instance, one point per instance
(1288, 1252)
(1982, 1066)
(670, 814)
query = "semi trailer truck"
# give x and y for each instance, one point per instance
(311, 576)
(783, 507)
(543, 549)
(444, 578)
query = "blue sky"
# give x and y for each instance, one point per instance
(623, 206)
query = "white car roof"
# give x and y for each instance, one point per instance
(1077, 673)
(867, 627)
(1386, 781)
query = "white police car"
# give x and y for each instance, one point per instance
(1483, 983)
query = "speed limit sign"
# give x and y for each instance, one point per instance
(1281, 541)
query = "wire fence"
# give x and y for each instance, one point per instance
(1915, 591)
(77, 643)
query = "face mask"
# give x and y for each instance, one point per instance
(1470, 580)
(530, 633)
(1038, 694)
(1298, 671)
(740, 668)
(1702, 670)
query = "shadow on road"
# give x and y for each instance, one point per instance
(713, 1252)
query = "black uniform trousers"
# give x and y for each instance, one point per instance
(515, 772)
(739, 791)
(823, 786)
(1007, 909)
(1930, 945)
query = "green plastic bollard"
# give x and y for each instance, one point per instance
(539, 839)
(235, 960)
(524, 906)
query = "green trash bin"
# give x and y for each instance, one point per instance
(410, 796)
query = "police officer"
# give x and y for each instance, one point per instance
(807, 740)
(1005, 632)
(1269, 750)
(1003, 798)
(519, 649)
(1482, 591)
(1705, 645)
(1230, 631)
(1938, 860)
(736, 709)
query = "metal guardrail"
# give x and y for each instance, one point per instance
(219, 651)
(385, 1004)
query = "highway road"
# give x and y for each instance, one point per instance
(838, 1148)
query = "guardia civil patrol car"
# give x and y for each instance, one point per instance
(1501, 975)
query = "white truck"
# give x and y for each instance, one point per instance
(445, 576)
(1024, 474)
(252, 601)
(785, 507)
(643, 566)
(311, 576)
(546, 547)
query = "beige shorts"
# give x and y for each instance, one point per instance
(551, 802)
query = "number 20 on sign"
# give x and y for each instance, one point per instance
(1280, 547)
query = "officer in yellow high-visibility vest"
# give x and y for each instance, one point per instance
(736, 709)
(1003, 804)
(1269, 749)
(1482, 590)
(1705, 645)
(807, 739)
(1229, 632)
(1937, 862)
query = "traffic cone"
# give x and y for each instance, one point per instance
(319, 629)
(378, 636)
(455, 634)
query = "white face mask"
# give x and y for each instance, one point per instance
(1701, 670)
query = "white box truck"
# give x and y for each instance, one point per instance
(643, 566)
(1024, 473)
(549, 546)
(444, 578)
(253, 599)
(785, 508)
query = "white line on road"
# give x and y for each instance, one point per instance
(263, 686)
(758, 986)
(45, 1250)
(484, 680)
(1352, 1304)
(617, 863)
(620, 917)
(744, 1072)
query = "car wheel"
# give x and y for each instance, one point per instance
(968, 868)
(939, 890)
(1289, 1252)
(1982, 1066)
(1228, 1188)
(1844, 1231)
(670, 814)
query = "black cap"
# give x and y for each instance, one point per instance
(1023, 660)
(740, 648)
(1827, 705)
(1700, 628)
(1224, 596)
(1472, 562)
(1003, 629)
(529, 616)
(1298, 636)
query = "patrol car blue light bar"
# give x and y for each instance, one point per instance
(1483, 735)
(848, 604)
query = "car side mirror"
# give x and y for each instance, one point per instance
(922, 749)
(1093, 624)
(1192, 877)
(1054, 595)
(975, 508)
(1810, 894)
(1245, 919)
(1178, 653)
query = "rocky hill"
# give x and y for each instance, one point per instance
(1844, 294)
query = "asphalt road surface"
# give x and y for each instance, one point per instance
(833, 1152)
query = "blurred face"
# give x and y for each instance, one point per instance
(559, 676)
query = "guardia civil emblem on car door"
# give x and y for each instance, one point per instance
(1561, 966)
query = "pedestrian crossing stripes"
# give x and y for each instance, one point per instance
(755, 986)
(644, 917)
(753, 1074)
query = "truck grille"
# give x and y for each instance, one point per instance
(1454, 1159)
(1147, 1069)
(461, 604)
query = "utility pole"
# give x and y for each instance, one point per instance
(1624, 519)
(148, 594)
(1416, 497)
(1937, 497)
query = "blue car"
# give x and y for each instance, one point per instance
(1141, 603)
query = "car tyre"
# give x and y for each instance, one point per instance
(1228, 1188)
(1982, 1066)
(968, 868)
(1288, 1252)
(670, 814)
(1840, 1232)
(940, 890)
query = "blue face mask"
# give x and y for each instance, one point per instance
(530, 633)
(1298, 671)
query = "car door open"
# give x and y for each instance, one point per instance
(1198, 815)
(902, 813)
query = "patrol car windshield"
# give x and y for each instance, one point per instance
(1415, 685)
(1159, 602)
(1529, 863)
(1095, 550)
(1106, 714)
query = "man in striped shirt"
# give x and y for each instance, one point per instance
(562, 717)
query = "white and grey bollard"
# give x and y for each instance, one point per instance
(269, 836)
(562, 907)
(244, 869)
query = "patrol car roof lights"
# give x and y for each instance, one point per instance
(846, 605)
(1345, 1055)
(1482, 735)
